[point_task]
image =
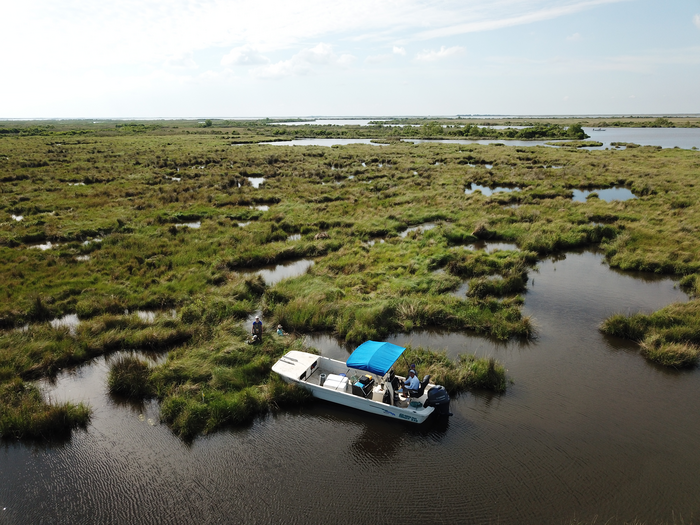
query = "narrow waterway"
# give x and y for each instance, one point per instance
(588, 429)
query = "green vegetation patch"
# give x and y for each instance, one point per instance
(173, 216)
(669, 336)
(468, 373)
(24, 414)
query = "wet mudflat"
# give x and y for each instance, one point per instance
(588, 428)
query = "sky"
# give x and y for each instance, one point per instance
(284, 58)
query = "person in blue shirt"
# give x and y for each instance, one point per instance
(256, 332)
(411, 383)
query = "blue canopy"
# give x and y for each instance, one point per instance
(374, 357)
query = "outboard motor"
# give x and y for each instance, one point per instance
(440, 399)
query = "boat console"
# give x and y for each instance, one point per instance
(363, 386)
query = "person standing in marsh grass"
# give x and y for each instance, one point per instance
(257, 330)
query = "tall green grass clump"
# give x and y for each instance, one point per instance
(669, 337)
(25, 415)
(676, 355)
(468, 373)
(128, 377)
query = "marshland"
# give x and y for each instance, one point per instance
(571, 347)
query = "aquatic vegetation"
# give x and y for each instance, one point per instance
(468, 373)
(576, 144)
(24, 414)
(227, 383)
(140, 181)
(669, 336)
(676, 355)
(128, 377)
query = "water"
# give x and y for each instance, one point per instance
(588, 429)
(422, 227)
(608, 195)
(331, 122)
(274, 273)
(486, 191)
(685, 138)
(195, 225)
(69, 321)
(17, 217)
(96, 239)
(43, 247)
(256, 181)
(322, 142)
(491, 246)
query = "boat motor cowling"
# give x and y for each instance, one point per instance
(440, 399)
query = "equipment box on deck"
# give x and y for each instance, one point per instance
(363, 387)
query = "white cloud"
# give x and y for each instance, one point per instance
(378, 59)
(574, 38)
(519, 13)
(181, 61)
(303, 62)
(444, 52)
(148, 32)
(244, 56)
(696, 21)
(399, 51)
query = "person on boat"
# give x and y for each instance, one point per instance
(256, 332)
(411, 383)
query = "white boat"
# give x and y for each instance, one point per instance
(365, 381)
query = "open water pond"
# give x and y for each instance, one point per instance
(607, 195)
(487, 192)
(685, 138)
(274, 273)
(256, 181)
(330, 122)
(422, 227)
(490, 246)
(69, 321)
(322, 142)
(587, 430)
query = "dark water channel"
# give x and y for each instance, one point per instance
(588, 429)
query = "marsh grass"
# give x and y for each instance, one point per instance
(676, 355)
(669, 337)
(229, 383)
(467, 373)
(128, 377)
(24, 414)
(132, 201)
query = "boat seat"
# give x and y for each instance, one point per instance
(419, 392)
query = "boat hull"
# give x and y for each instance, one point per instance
(298, 367)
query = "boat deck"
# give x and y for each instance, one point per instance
(377, 393)
(302, 367)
